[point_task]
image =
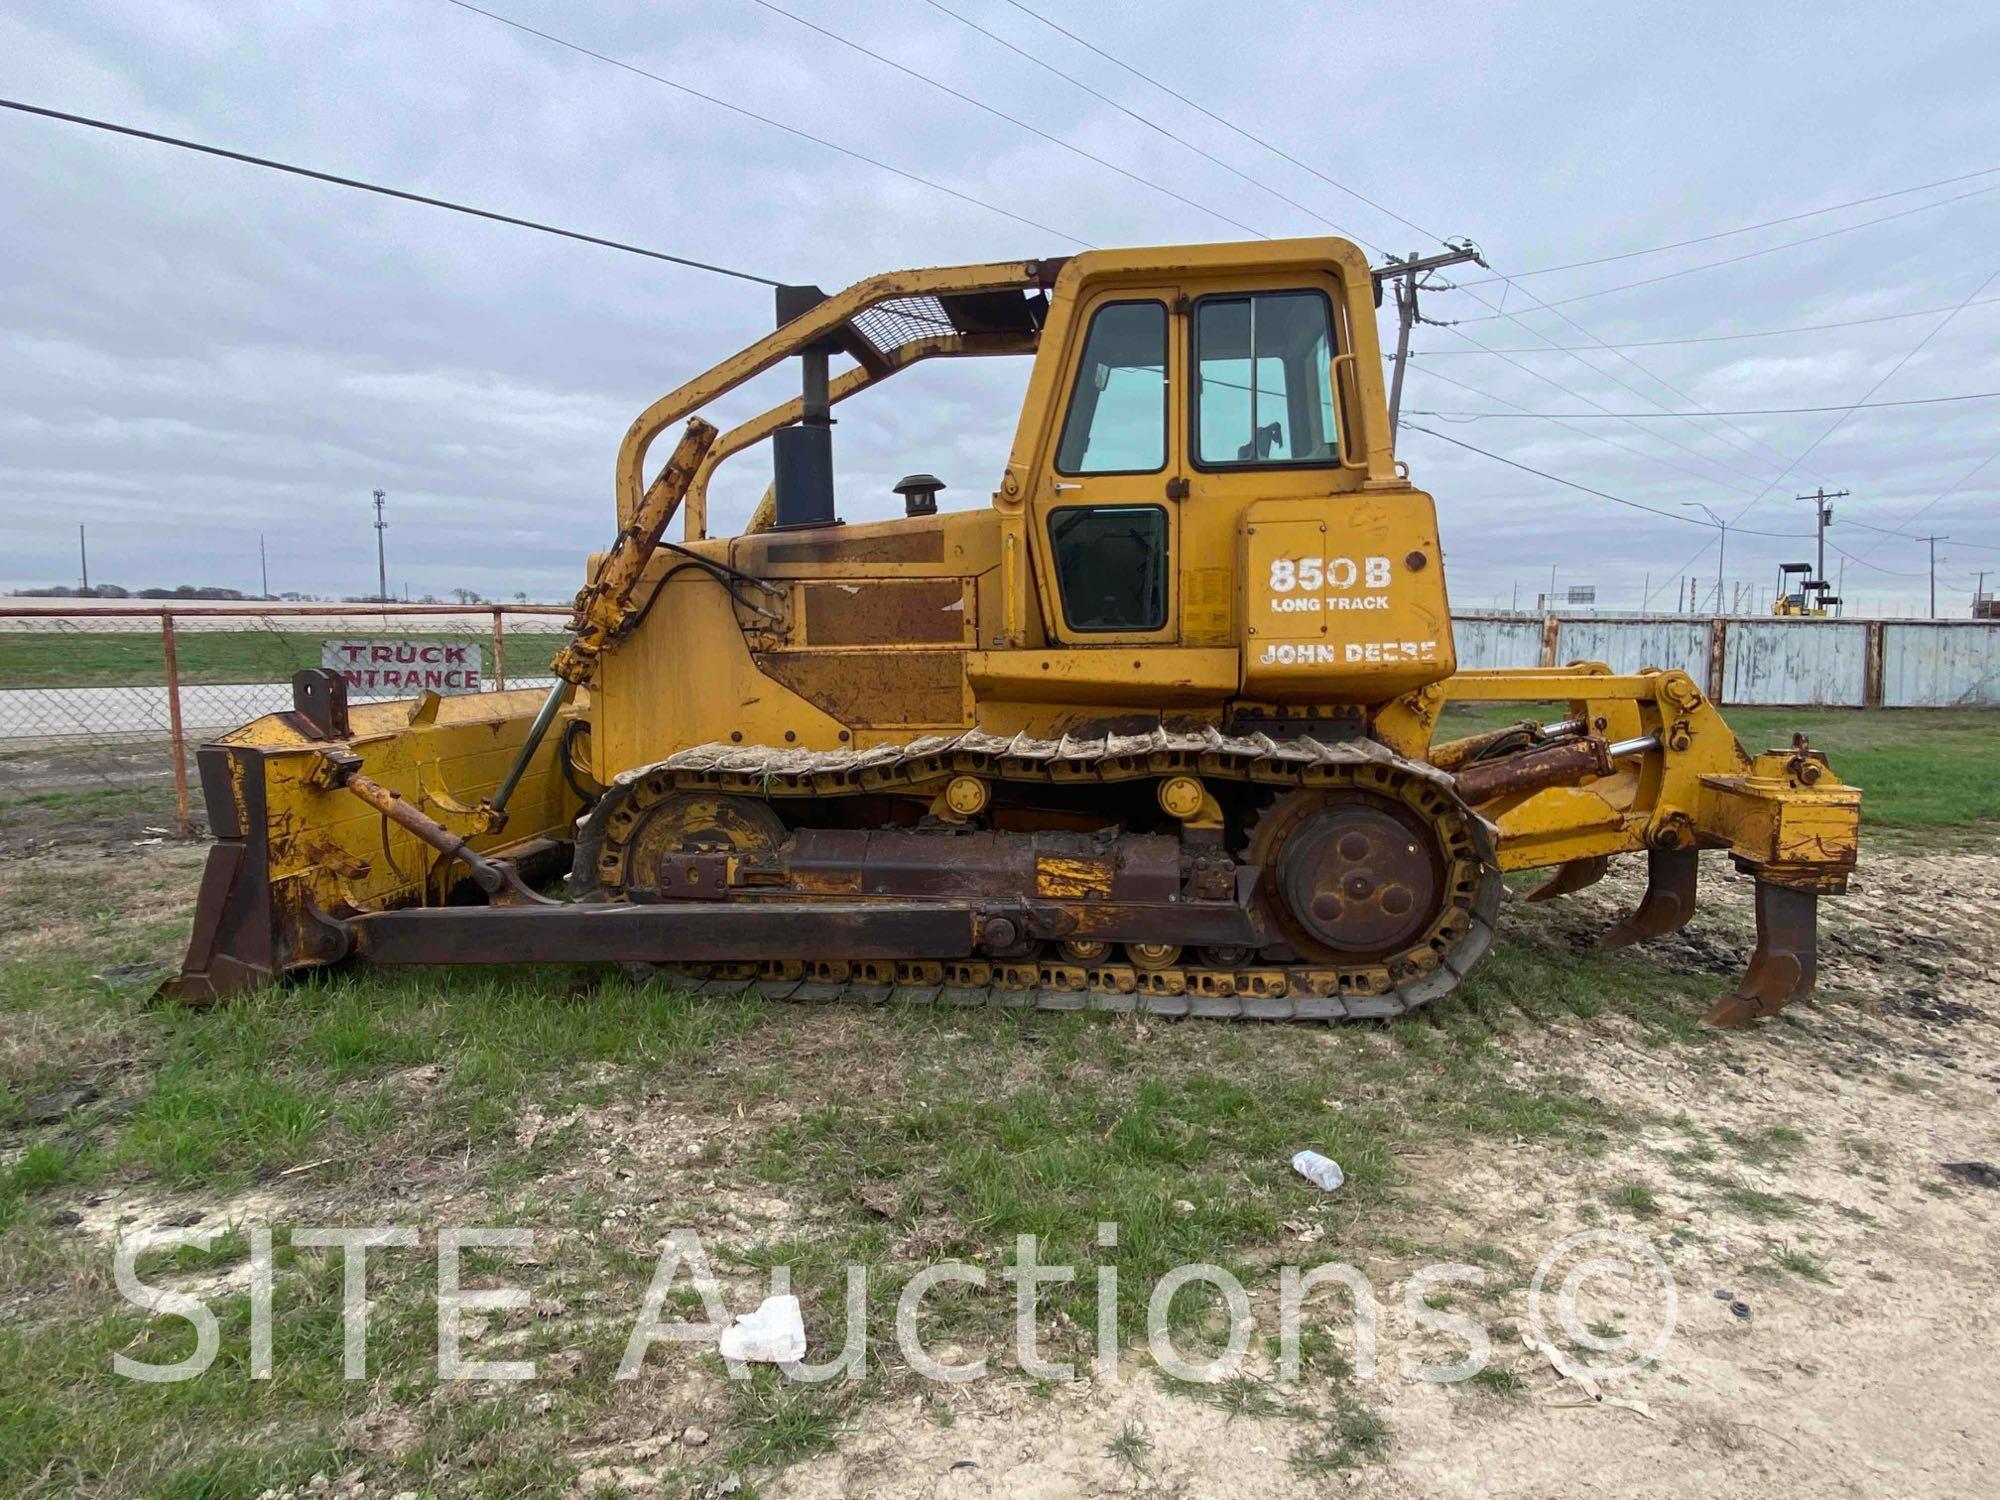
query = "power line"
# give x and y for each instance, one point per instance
(1741, 411)
(1708, 338)
(1268, 145)
(1658, 379)
(1602, 408)
(1015, 120)
(1949, 490)
(1382, 208)
(1699, 553)
(1276, 150)
(1834, 426)
(1588, 490)
(1907, 537)
(1230, 125)
(1723, 234)
(1152, 125)
(1876, 567)
(1596, 437)
(1731, 260)
(376, 187)
(750, 114)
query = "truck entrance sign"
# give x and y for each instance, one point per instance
(384, 668)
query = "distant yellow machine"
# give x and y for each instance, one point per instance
(1810, 599)
(1153, 729)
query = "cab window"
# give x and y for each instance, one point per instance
(1111, 565)
(1264, 381)
(1117, 418)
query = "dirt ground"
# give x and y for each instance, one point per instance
(1876, 1382)
(96, 797)
(1830, 1338)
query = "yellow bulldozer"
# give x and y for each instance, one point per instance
(1155, 729)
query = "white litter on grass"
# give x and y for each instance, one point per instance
(774, 1334)
(1321, 1171)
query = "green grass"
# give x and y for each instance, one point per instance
(1188, 1155)
(1498, 1380)
(301, 1076)
(1000, 1123)
(1132, 1447)
(1634, 1198)
(1918, 768)
(85, 803)
(896, 1137)
(104, 658)
(1763, 1147)
(1758, 1206)
(1800, 1263)
(1346, 1438)
(779, 1423)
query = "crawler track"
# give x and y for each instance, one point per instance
(1376, 985)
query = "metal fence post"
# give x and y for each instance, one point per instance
(179, 741)
(499, 651)
(1718, 648)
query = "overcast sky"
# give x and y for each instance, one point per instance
(194, 352)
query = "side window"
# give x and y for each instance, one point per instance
(1264, 381)
(1117, 419)
(1111, 565)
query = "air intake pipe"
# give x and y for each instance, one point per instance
(802, 455)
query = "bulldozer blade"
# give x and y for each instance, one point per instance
(1668, 902)
(1571, 876)
(1784, 965)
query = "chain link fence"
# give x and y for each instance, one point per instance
(98, 695)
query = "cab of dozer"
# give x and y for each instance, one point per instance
(1154, 728)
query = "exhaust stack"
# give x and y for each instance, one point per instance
(802, 455)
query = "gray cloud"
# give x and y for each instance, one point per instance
(196, 352)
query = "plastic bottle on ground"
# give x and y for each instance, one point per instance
(1321, 1171)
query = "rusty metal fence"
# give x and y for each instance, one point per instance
(1765, 660)
(120, 694)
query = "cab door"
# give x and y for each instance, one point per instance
(1339, 589)
(1106, 510)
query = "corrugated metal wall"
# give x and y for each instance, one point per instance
(1954, 665)
(1485, 644)
(1795, 661)
(1629, 645)
(1836, 663)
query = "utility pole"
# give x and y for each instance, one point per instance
(263, 566)
(83, 555)
(1934, 540)
(1405, 273)
(1823, 511)
(1721, 546)
(381, 552)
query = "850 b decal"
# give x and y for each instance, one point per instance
(1308, 585)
